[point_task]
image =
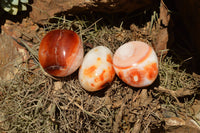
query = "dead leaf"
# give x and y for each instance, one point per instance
(161, 43)
(164, 15)
(178, 125)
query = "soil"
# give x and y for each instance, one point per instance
(32, 101)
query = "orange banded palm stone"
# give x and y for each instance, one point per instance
(96, 71)
(136, 64)
(61, 52)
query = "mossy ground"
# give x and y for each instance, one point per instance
(35, 102)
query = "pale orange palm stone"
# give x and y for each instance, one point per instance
(136, 64)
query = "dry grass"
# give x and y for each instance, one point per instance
(34, 102)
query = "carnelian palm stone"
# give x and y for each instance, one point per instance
(136, 64)
(61, 52)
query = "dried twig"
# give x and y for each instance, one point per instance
(178, 93)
